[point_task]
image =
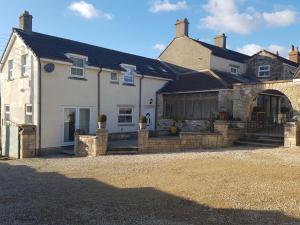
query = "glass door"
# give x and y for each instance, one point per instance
(74, 119)
(69, 124)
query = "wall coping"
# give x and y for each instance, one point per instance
(265, 82)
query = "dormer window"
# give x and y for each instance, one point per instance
(264, 71)
(234, 69)
(77, 68)
(129, 74)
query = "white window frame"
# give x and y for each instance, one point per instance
(112, 80)
(236, 72)
(129, 69)
(29, 114)
(81, 57)
(122, 114)
(10, 70)
(262, 69)
(24, 66)
(6, 112)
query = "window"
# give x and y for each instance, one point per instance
(125, 115)
(24, 64)
(264, 71)
(7, 112)
(77, 68)
(114, 77)
(10, 69)
(28, 113)
(129, 76)
(234, 70)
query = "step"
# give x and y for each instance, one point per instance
(264, 135)
(256, 144)
(122, 152)
(262, 139)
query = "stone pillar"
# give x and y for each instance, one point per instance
(290, 135)
(101, 142)
(222, 127)
(27, 141)
(143, 136)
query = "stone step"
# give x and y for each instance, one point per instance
(264, 135)
(256, 144)
(267, 140)
(122, 152)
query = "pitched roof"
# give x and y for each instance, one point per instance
(280, 58)
(224, 52)
(51, 47)
(206, 81)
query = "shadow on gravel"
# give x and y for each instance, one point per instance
(31, 197)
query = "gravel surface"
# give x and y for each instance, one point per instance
(231, 186)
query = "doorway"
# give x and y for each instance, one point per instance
(75, 118)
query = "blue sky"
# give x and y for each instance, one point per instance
(143, 27)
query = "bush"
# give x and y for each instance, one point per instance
(102, 118)
(143, 119)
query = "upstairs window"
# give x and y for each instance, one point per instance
(10, 68)
(264, 71)
(125, 115)
(114, 77)
(28, 114)
(234, 70)
(77, 68)
(129, 76)
(24, 61)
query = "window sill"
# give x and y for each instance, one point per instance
(24, 76)
(77, 78)
(128, 84)
(114, 82)
(126, 124)
(12, 79)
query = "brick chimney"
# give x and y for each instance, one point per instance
(25, 22)
(294, 55)
(182, 28)
(220, 40)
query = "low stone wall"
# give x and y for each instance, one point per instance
(291, 135)
(88, 145)
(222, 137)
(27, 137)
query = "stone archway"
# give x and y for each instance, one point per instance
(243, 95)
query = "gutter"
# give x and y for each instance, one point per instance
(140, 97)
(40, 106)
(98, 94)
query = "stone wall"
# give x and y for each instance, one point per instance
(223, 137)
(27, 137)
(291, 135)
(88, 145)
(244, 94)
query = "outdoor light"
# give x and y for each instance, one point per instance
(151, 101)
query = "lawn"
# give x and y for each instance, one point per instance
(233, 186)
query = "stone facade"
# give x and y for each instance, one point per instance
(88, 145)
(244, 95)
(223, 137)
(291, 135)
(27, 137)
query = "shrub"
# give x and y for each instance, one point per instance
(102, 118)
(143, 119)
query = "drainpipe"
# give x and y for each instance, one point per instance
(140, 97)
(40, 106)
(99, 98)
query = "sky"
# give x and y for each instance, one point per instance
(145, 27)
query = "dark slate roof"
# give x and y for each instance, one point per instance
(198, 81)
(297, 73)
(51, 47)
(225, 53)
(231, 79)
(206, 81)
(281, 59)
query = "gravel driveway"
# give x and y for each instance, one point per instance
(233, 186)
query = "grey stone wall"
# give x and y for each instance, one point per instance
(27, 141)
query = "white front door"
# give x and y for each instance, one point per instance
(149, 112)
(75, 118)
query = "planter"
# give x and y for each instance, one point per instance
(101, 125)
(173, 130)
(142, 126)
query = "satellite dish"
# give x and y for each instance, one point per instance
(49, 68)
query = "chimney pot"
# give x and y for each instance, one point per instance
(25, 22)
(182, 28)
(220, 40)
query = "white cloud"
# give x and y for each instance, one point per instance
(251, 49)
(159, 47)
(280, 18)
(166, 6)
(88, 11)
(225, 16)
